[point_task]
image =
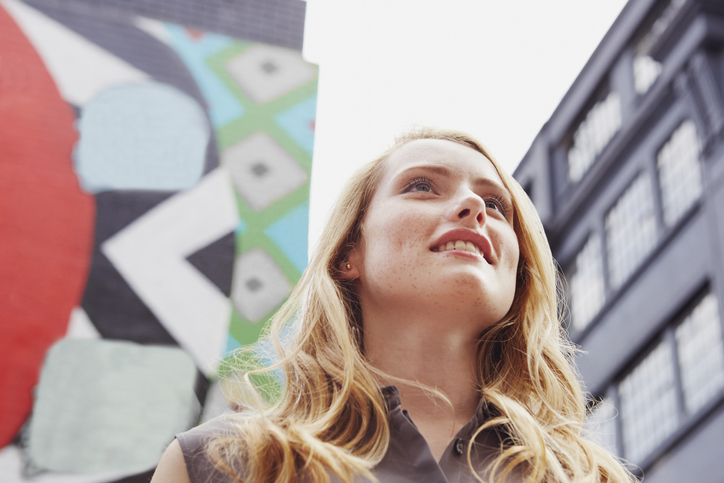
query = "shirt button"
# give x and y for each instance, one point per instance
(459, 446)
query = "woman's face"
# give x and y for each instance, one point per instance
(438, 236)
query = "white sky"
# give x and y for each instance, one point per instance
(494, 68)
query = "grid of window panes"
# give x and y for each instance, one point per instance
(647, 399)
(586, 283)
(601, 425)
(592, 135)
(679, 172)
(701, 354)
(630, 230)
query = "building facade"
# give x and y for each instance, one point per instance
(628, 177)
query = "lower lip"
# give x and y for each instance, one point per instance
(463, 253)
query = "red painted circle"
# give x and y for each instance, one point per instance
(46, 222)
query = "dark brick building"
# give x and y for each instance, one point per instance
(628, 177)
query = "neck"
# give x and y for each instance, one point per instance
(424, 349)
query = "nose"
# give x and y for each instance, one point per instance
(471, 207)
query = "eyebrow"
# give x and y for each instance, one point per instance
(444, 171)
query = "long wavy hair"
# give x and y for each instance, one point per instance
(328, 414)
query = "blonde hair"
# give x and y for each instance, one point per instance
(330, 416)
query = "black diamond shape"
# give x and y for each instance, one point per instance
(254, 284)
(215, 261)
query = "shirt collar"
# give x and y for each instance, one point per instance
(391, 395)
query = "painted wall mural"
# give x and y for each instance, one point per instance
(154, 185)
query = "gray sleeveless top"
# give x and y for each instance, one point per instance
(408, 458)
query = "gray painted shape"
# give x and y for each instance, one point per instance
(105, 406)
(278, 22)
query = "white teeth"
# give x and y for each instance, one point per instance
(458, 245)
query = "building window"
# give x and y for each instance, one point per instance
(646, 70)
(593, 134)
(586, 283)
(630, 230)
(679, 172)
(601, 425)
(701, 354)
(648, 403)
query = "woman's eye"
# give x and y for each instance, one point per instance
(497, 204)
(421, 184)
(493, 204)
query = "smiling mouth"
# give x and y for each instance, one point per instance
(459, 245)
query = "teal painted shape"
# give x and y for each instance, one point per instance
(290, 234)
(298, 122)
(145, 136)
(224, 107)
(110, 406)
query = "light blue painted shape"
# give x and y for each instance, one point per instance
(240, 227)
(144, 136)
(224, 107)
(297, 122)
(290, 234)
(267, 355)
(105, 406)
(231, 345)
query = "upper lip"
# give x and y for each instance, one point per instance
(477, 239)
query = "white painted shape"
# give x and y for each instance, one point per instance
(80, 326)
(11, 467)
(154, 28)
(151, 252)
(80, 68)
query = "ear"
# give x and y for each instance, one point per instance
(351, 268)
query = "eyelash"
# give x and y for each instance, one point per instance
(418, 181)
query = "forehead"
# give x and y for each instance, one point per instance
(437, 152)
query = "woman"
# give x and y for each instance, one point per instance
(433, 274)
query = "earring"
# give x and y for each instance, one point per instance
(349, 267)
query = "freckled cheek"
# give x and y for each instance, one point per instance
(392, 244)
(400, 230)
(510, 252)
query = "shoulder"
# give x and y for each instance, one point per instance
(187, 460)
(172, 467)
(195, 440)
